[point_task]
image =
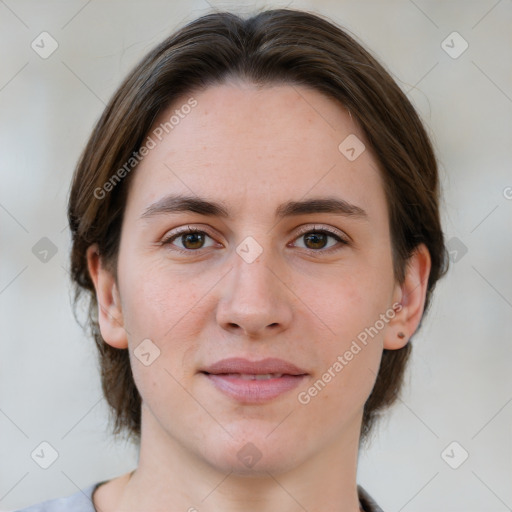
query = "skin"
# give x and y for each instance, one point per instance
(253, 149)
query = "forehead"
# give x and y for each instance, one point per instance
(259, 146)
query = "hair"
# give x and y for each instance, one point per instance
(271, 47)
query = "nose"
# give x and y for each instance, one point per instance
(254, 301)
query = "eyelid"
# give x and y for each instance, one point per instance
(315, 228)
(341, 238)
(185, 230)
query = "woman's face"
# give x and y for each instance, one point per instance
(293, 263)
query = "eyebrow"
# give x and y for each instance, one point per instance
(179, 203)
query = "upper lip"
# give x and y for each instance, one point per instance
(245, 366)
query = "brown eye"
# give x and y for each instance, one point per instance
(316, 240)
(189, 240)
(192, 240)
(321, 240)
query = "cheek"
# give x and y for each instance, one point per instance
(168, 307)
(345, 302)
(345, 379)
(156, 297)
(349, 311)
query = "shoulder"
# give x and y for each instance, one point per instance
(80, 501)
(367, 503)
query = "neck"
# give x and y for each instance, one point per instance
(171, 477)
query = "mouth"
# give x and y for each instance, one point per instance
(253, 382)
(250, 376)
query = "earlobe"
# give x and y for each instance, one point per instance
(110, 314)
(409, 300)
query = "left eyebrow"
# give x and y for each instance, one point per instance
(334, 206)
(178, 203)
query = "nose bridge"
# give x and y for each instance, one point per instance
(254, 299)
(252, 276)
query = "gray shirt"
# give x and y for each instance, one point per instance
(81, 501)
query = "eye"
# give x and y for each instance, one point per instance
(190, 238)
(318, 239)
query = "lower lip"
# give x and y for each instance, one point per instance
(254, 391)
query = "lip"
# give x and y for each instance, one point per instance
(242, 365)
(225, 375)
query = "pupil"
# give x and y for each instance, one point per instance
(194, 239)
(317, 238)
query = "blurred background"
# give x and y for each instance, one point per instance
(447, 444)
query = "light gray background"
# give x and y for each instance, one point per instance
(460, 381)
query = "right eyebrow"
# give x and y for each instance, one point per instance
(178, 203)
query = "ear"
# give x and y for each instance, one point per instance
(110, 314)
(409, 299)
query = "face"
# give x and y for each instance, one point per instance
(291, 262)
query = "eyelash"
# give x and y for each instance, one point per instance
(189, 230)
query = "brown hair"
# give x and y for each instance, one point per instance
(282, 45)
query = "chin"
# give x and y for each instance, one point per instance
(256, 454)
